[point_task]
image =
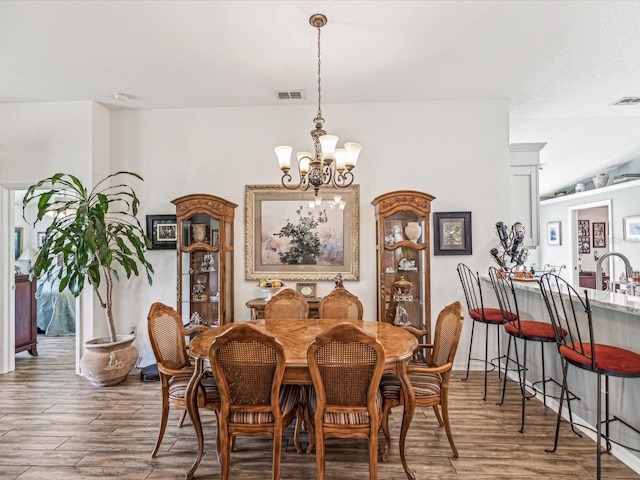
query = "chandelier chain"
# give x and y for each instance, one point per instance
(319, 86)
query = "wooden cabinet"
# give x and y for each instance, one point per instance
(403, 268)
(205, 258)
(26, 320)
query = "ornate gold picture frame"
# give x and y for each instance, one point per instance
(291, 237)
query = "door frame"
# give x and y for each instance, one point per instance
(573, 229)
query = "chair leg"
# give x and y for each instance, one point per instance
(565, 365)
(486, 358)
(319, 451)
(182, 417)
(523, 385)
(373, 452)
(225, 453)
(299, 420)
(438, 416)
(506, 371)
(386, 410)
(447, 425)
(163, 424)
(599, 426)
(473, 326)
(277, 452)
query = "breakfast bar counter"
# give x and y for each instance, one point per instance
(616, 321)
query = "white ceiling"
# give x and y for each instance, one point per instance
(560, 63)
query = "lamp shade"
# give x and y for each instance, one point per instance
(28, 254)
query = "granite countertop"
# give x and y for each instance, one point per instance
(597, 298)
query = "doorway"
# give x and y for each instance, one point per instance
(590, 238)
(12, 221)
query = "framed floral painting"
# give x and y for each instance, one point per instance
(291, 235)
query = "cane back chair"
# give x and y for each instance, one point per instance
(346, 365)
(249, 366)
(287, 304)
(429, 379)
(167, 336)
(341, 303)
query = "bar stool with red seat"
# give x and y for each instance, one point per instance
(479, 313)
(525, 330)
(578, 347)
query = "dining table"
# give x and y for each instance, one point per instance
(295, 335)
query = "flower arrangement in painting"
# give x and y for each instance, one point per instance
(304, 241)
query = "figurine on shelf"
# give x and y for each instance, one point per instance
(402, 290)
(196, 319)
(401, 318)
(338, 282)
(207, 263)
(198, 291)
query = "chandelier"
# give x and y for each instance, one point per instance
(327, 166)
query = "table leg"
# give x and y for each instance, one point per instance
(192, 407)
(407, 416)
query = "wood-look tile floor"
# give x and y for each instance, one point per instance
(55, 425)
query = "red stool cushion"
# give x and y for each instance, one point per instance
(491, 315)
(532, 328)
(608, 358)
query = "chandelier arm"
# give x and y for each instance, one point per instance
(344, 179)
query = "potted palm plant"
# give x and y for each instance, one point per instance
(94, 236)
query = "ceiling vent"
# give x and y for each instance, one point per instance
(628, 101)
(290, 95)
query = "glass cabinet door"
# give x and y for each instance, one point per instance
(200, 254)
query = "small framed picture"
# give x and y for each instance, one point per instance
(631, 228)
(40, 239)
(553, 233)
(307, 290)
(162, 231)
(599, 235)
(452, 233)
(17, 242)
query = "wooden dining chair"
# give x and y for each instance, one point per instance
(287, 304)
(167, 336)
(346, 365)
(249, 366)
(341, 303)
(430, 380)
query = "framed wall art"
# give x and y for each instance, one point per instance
(290, 236)
(17, 242)
(553, 233)
(452, 233)
(41, 236)
(599, 238)
(162, 230)
(631, 228)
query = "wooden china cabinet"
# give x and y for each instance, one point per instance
(205, 258)
(403, 235)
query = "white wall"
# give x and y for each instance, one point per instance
(456, 151)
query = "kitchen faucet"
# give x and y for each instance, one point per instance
(627, 266)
